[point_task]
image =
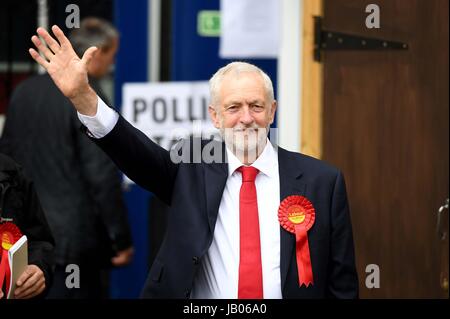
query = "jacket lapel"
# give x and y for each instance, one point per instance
(216, 175)
(290, 175)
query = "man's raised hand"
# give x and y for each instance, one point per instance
(67, 70)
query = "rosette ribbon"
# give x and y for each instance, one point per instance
(296, 214)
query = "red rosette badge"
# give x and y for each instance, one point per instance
(9, 235)
(296, 214)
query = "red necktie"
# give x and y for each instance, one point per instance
(250, 269)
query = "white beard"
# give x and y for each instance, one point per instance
(246, 142)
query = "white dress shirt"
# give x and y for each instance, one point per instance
(219, 269)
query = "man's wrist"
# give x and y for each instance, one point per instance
(102, 122)
(86, 102)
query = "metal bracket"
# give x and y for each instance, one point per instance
(330, 40)
(442, 232)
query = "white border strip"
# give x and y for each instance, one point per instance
(290, 75)
(154, 33)
(42, 21)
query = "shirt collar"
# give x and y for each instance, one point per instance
(266, 163)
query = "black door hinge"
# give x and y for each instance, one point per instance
(331, 40)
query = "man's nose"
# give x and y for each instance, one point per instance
(246, 116)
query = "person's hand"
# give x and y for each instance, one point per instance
(1, 293)
(67, 70)
(123, 257)
(30, 284)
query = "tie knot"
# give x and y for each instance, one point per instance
(248, 173)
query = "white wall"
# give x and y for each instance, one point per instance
(289, 75)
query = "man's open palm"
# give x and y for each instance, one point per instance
(68, 71)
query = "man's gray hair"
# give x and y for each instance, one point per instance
(235, 68)
(93, 32)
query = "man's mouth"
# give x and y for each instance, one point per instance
(245, 130)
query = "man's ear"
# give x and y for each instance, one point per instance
(97, 53)
(214, 116)
(273, 109)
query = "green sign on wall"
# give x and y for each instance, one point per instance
(208, 23)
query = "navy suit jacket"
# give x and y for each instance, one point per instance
(194, 191)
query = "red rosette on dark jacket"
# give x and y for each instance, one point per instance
(296, 214)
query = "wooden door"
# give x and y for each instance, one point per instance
(385, 124)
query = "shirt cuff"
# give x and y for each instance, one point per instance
(101, 123)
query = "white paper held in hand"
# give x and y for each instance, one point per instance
(18, 261)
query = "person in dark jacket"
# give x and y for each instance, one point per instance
(78, 185)
(20, 206)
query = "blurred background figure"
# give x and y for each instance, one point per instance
(97, 32)
(78, 185)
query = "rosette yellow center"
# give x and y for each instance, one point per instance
(296, 214)
(6, 241)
